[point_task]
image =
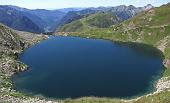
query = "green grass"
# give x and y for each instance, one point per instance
(93, 100)
(97, 20)
(77, 26)
(163, 97)
(100, 20)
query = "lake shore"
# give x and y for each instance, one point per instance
(10, 95)
(10, 65)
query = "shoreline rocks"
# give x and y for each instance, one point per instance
(12, 43)
(168, 63)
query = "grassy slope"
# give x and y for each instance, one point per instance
(97, 20)
(150, 27)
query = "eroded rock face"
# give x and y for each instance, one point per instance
(9, 40)
(168, 63)
(11, 44)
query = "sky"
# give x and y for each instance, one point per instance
(56, 4)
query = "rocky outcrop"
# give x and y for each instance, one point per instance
(11, 44)
(10, 99)
(167, 63)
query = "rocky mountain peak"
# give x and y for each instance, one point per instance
(147, 7)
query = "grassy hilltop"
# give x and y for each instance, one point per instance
(97, 20)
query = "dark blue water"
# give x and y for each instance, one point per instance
(71, 67)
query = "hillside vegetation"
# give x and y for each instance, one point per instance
(100, 17)
(97, 20)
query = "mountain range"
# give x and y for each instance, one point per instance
(17, 20)
(41, 20)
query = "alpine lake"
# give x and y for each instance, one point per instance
(73, 67)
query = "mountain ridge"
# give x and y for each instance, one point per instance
(50, 20)
(121, 12)
(17, 20)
